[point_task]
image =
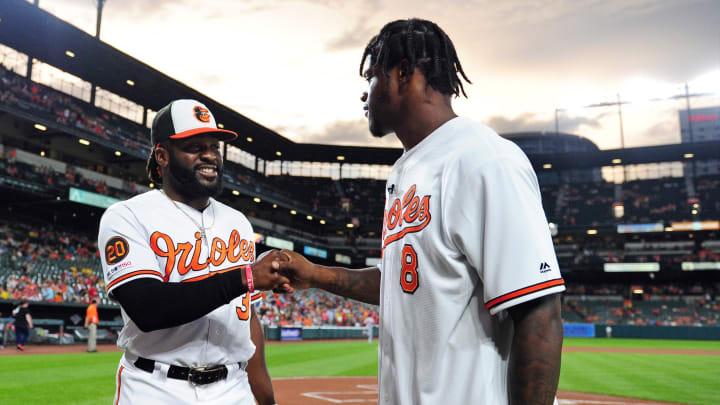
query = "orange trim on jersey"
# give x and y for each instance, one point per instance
(524, 291)
(133, 274)
(204, 276)
(257, 296)
(119, 382)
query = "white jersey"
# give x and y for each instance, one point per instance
(148, 236)
(464, 238)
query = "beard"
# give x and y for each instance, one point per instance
(185, 182)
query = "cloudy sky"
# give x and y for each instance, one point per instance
(292, 64)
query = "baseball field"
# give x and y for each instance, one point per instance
(685, 372)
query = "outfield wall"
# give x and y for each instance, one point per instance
(660, 332)
(641, 332)
(318, 332)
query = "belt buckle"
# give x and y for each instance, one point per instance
(200, 372)
(192, 374)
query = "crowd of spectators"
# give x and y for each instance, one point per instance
(365, 200)
(625, 290)
(21, 244)
(581, 204)
(44, 264)
(72, 285)
(314, 308)
(708, 193)
(656, 200)
(667, 304)
(20, 92)
(51, 179)
(658, 313)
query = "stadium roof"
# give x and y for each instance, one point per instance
(646, 154)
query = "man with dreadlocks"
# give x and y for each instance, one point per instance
(183, 268)
(469, 284)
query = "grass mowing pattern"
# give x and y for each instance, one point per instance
(79, 378)
(686, 379)
(87, 379)
(323, 359)
(643, 343)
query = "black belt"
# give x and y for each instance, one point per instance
(195, 376)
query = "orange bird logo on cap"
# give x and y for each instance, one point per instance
(202, 114)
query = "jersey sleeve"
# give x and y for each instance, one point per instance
(494, 216)
(257, 297)
(126, 252)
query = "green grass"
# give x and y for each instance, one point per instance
(322, 359)
(687, 379)
(672, 378)
(90, 378)
(58, 378)
(643, 343)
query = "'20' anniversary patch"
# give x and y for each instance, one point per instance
(116, 249)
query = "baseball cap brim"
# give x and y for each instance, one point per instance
(222, 134)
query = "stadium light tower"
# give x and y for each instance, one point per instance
(646, 94)
(617, 102)
(98, 22)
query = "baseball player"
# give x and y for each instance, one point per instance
(468, 284)
(183, 267)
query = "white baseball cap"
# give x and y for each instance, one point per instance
(185, 118)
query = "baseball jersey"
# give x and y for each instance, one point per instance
(464, 238)
(147, 236)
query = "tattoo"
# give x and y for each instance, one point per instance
(362, 285)
(534, 368)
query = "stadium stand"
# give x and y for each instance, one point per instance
(44, 102)
(656, 304)
(314, 308)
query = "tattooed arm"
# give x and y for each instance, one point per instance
(534, 367)
(362, 284)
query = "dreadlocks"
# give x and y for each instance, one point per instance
(423, 44)
(152, 167)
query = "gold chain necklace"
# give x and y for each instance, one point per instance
(201, 226)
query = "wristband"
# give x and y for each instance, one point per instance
(249, 278)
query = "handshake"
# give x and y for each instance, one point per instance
(282, 271)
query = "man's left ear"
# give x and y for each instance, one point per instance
(403, 72)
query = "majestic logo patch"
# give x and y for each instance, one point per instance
(119, 267)
(202, 114)
(115, 250)
(544, 267)
(406, 215)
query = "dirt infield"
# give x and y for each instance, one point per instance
(363, 390)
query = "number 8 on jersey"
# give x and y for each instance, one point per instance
(409, 274)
